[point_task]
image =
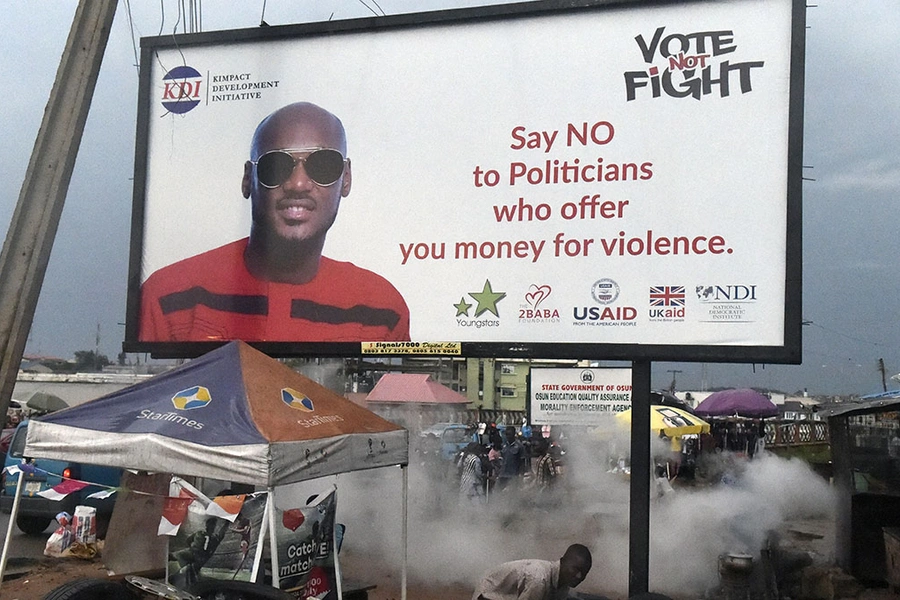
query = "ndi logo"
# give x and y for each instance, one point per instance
(181, 89)
(191, 398)
(297, 400)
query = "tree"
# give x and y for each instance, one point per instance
(87, 361)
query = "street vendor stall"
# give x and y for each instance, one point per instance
(233, 414)
(680, 428)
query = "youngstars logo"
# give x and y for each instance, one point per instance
(692, 65)
(297, 400)
(485, 301)
(181, 89)
(191, 398)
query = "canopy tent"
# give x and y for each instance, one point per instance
(737, 403)
(672, 422)
(233, 414)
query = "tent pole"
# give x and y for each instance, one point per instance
(405, 534)
(273, 546)
(263, 532)
(12, 523)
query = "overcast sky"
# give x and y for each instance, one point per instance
(852, 143)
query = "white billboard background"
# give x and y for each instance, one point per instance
(423, 107)
(587, 397)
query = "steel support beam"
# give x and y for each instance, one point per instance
(29, 240)
(639, 506)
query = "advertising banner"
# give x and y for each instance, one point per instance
(213, 547)
(578, 396)
(306, 547)
(526, 181)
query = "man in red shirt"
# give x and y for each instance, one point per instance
(275, 285)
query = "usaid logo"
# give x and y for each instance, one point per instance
(605, 291)
(181, 89)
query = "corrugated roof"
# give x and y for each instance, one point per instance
(862, 406)
(413, 388)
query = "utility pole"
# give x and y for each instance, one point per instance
(883, 375)
(26, 250)
(673, 372)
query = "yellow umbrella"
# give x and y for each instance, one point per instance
(673, 422)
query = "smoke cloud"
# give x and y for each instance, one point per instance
(453, 543)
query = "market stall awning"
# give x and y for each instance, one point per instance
(233, 414)
(672, 422)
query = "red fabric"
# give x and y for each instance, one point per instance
(67, 486)
(338, 286)
(175, 509)
(292, 518)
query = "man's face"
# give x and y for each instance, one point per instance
(572, 573)
(299, 209)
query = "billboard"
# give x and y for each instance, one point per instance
(578, 396)
(615, 180)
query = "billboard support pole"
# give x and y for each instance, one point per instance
(26, 250)
(639, 505)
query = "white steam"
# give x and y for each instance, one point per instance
(690, 528)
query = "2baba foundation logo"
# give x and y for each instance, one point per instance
(536, 309)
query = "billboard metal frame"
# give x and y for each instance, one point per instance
(788, 353)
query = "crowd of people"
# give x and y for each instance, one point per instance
(511, 464)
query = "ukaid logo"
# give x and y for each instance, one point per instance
(604, 291)
(689, 64)
(727, 303)
(181, 90)
(666, 303)
(534, 310)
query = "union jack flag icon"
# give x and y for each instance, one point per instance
(667, 295)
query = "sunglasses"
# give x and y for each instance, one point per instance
(323, 166)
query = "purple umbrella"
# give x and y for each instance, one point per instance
(740, 403)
